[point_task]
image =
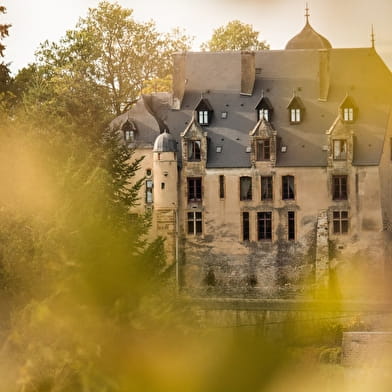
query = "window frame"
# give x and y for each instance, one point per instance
(263, 113)
(194, 223)
(263, 150)
(245, 226)
(149, 199)
(288, 189)
(264, 226)
(221, 182)
(340, 222)
(270, 188)
(248, 195)
(339, 187)
(348, 114)
(203, 117)
(194, 189)
(291, 234)
(129, 135)
(194, 154)
(295, 115)
(338, 144)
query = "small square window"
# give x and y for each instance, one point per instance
(218, 148)
(224, 115)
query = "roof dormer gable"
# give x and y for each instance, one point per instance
(193, 130)
(204, 111)
(263, 130)
(264, 109)
(348, 110)
(296, 110)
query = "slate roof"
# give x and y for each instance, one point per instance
(358, 72)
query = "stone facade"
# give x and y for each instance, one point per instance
(277, 181)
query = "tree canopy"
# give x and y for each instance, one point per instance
(3, 31)
(108, 57)
(234, 36)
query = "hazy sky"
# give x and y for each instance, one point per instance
(346, 23)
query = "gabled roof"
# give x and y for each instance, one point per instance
(193, 130)
(348, 102)
(264, 104)
(263, 129)
(295, 102)
(218, 74)
(204, 104)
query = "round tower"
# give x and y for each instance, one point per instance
(165, 191)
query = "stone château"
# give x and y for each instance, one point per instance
(269, 173)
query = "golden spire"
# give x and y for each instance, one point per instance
(307, 13)
(372, 37)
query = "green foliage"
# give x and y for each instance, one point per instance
(234, 36)
(3, 31)
(107, 58)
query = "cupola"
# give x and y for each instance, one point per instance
(165, 142)
(308, 38)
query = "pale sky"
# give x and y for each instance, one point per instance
(346, 23)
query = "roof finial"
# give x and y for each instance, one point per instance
(307, 13)
(262, 93)
(201, 95)
(372, 37)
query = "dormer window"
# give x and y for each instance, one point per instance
(129, 136)
(204, 112)
(264, 113)
(203, 117)
(348, 114)
(296, 110)
(264, 109)
(339, 149)
(295, 115)
(348, 109)
(128, 129)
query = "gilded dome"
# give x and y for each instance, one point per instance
(308, 38)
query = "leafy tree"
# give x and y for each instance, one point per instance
(5, 78)
(108, 57)
(3, 31)
(234, 36)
